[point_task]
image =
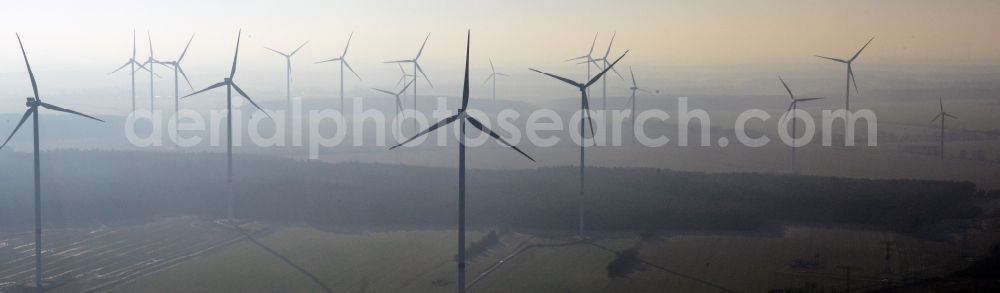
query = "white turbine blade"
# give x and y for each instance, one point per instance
(422, 47)
(276, 51)
(566, 80)
(444, 122)
(245, 96)
(185, 49)
(577, 58)
(385, 91)
(122, 67)
(236, 54)
(488, 78)
(633, 76)
(406, 87)
(421, 70)
(399, 61)
(478, 125)
(329, 60)
(351, 69)
(808, 99)
(492, 69)
(612, 42)
(184, 75)
(950, 116)
(586, 111)
(502, 74)
(351, 36)
(299, 48)
(31, 75)
(64, 110)
(205, 89)
(23, 118)
(592, 44)
(850, 72)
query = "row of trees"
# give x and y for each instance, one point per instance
(85, 187)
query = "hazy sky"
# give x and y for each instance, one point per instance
(93, 37)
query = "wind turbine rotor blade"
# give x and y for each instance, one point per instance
(479, 125)
(133, 44)
(850, 72)
(299, 48)
(790, 106)
(150, 38)
(184, 75)
(936, 118)
(644, 90)
(566, 80)
(492, 69)
(236, 54)
(862, 49)
(329, 60)
(64, 110)
(577, 58)
(122, 67)
(31, 75)
(598, 76)
(615, 70)
(941, 104)
(488, 78)
(348, 45)
(829, 58)
(592, 44)
(423, 74)
(185, 49)
(348, 65)
(465, 86)
(399, 61)
(808, 99)
(630, 100)
(790, 95)
(276, 51)
(444, 122)
(950, 116)
(502, 74)
(385, 91)
(422, 47)
(244, 94)
(406, 87)
(205, 89)
(612, 42)
(27, 114)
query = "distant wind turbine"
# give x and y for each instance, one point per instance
(132, 63)
(288, 83)
(33, 103)
(588, 59)
(463, 117)
(399, 103)
(633, 100)
(601, 63)
(403, 76)
(178, 69)
(151, 60)
(343, 62)
(850, 74)
(585, 109)
(493, 77)
(230, 86)
(792, 106)
(942, 115)
(416, 68)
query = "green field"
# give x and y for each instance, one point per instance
(422, 262)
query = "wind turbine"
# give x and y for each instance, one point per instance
(403, 75)
(603, 62)
(942, 115)
(850, 74)
(493, 77)
(585, 108)
(588, 59)
(399, 103)
(33, 103)
(151, 61)
(176, 65)
(416, 68)
(633, 101)
(288, 83)
(343, 63)
(792, 106)
(131, 62)
(463, 117)
(230, 86)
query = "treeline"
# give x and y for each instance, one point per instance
(105, 187)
